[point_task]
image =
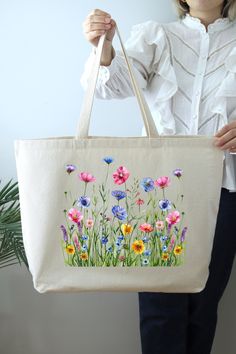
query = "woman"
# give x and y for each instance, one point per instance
(187, 70)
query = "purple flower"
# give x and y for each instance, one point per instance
(119, 212)
(147, 184)
(182, 238)
(168, 229)
(118, 194)
(65, 236)
(165, 204)
(108, 159)
(84, 201)
(70, 168)
(79, 227)
(178, 172)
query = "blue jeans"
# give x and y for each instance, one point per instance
(185, 323)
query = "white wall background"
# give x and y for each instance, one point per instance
(42, 53)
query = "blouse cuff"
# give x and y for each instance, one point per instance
(104, 73)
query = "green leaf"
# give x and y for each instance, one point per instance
(11, 243)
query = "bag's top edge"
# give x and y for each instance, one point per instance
(161, 137)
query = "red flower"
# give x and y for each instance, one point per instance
(139, 201)
(146, 227)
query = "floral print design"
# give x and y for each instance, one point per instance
(134, 224)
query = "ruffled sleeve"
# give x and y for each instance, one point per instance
(162, 84)
(226, 89)
(113, 80)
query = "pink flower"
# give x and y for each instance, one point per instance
(160, 225)
(173, 218)
(86, 177)
(162, 182)
(121, 175)
(75, 215)
(89, 223)
(172, 242)
(76, 242)
(146, 227)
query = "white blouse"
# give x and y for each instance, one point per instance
(187, 73)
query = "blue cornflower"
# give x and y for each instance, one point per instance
(84, 237)
(104, 239)
(145, 239)
(120, 237)
(147, 184)
(165, 204)
(118, 194)
(145, 261)
(118, 243)
(84, 201)
(164, 248)
(119, 212)
(163, 238)
(109, 249)
(147, 252)
(108, 159)
(84, 247)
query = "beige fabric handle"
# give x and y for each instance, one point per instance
(84, 121)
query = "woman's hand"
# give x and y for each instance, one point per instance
(96, 24)
(225, 138)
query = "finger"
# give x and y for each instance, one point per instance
(227, 144)
(98, 18)
(226, 128)
(94, 34)
(223, 131)
(227, 136)
(98, 12)
(89, 27)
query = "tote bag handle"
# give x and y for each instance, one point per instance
(84, 121)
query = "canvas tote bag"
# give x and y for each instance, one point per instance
(104, 213)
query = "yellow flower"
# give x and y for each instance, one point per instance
(84, 256)
(126, 229)
(70, 249)
(165, 256)
(178, 250)
(138, 246)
